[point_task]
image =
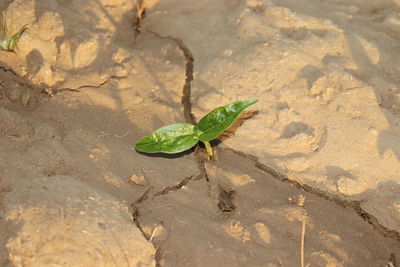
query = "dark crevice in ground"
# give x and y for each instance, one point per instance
(187, 87)
(158, 257)
(189, 118)
(135, 211)
(168, 189)
(50, 91)
(53, 91)
(187, 94)
(356, 205)
(139, 15)
(135, 216)
(146, 195)
(201, 167)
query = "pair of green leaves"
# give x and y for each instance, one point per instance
(9, 39)
(179, 137)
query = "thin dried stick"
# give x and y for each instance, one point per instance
(303, 231)
(153, 234)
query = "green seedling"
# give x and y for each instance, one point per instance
(9, 40)
(179, 137)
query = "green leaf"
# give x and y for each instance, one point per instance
(220, 119)
(14, 39)
(169, 139)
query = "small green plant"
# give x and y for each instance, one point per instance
(179, 137)
(9, 40)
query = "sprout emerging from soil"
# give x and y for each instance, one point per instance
(8, 38)
(179, 137)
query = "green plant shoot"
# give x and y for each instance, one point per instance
(10, 39)
(179, 137)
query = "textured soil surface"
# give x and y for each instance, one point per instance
(314, 162)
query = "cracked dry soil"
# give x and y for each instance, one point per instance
(73, 192)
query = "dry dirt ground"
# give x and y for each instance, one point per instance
(316, 159)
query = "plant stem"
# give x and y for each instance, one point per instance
(208, 149)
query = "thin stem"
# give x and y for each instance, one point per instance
(209, 150)
(303, 230)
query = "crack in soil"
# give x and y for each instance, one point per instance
(187, 87)
(53, 91)
(187, 94)
(146, 195)
(140, 13)
(356, 205)
(189, 118)
(168, 189)
(135, 211)
(100, 84)
(135, 217)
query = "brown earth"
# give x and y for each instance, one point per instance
(319, 150)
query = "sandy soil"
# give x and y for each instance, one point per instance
(319, 150)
